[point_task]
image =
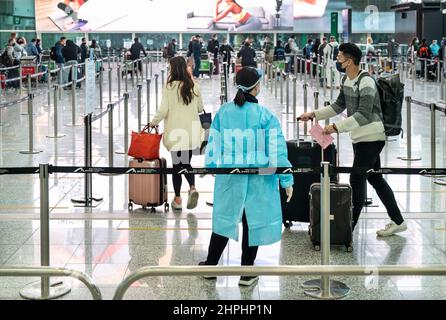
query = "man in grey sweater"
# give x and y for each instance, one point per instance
(360, 97)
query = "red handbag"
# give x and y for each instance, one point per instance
(145, 145)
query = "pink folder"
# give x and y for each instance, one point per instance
(324, 140)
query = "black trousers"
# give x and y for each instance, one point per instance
(218, 244)
(181, 160)
(367, 154)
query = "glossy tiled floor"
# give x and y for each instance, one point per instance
(108, 242)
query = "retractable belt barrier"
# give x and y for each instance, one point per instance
(225, 171)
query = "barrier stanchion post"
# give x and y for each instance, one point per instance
(29, 92)
(275, 81)
(87, 200)
(316, 100)
(126, 84)
(147, 66)
(296, 62)
(139, 106)
(30, 127)
(281, 85)
(325, 80)
(119, 74)
(439, 71)
(149, 84)
(151, 67)
(323, 288)
(443, 84)
(425, 69)
(126, 125)
(156, 91)
(42, 290)
(133, 74)
(305, 89)
(110, 108)
(49, 87)
(21, 79)
(55, 115)
(163, 71)
(409, 132)
(101, 98)
(331, 83)
(414, 73)
(433, 136)
(326, 104)
(73, 101)
(294, 106)
(29, 84)
(287, 93)
(110, 85)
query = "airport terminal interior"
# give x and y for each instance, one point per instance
(107, 242)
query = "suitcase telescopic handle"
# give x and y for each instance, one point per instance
(298, 131)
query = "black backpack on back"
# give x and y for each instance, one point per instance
(391, 96)
(287, 48)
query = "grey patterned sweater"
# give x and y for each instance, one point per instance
(364, 116)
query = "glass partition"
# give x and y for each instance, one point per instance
(258, 39)
(157, 41)
(50, 39)
(17, 15)
(4, 37)
(112, 40)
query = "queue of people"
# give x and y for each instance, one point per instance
(236, 198)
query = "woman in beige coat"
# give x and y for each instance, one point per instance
(181, 104)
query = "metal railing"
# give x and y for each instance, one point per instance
(52, 272)
(304, 270)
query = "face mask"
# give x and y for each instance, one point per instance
(340, 68)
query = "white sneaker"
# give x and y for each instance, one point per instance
(175, 206)
(192, 201)
(247, 281)
(391, 229)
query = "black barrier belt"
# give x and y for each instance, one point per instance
(441, 109)
(12, 170)
(229, 171)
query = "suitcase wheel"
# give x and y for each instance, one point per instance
(166, 207)
(317, 247)
(153, 210)
(288, 224)
(130, 206)
(349, 248)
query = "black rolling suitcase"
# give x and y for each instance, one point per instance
(341, 215)
(303, 154)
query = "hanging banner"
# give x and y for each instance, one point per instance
(90, 86)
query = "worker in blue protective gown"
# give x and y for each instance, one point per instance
(245, 134)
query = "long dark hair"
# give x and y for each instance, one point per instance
(178, 72)
(246, 77)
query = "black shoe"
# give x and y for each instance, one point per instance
(247, 281)
(203, 263)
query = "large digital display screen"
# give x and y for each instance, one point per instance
(205, 16)
(164, 15)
